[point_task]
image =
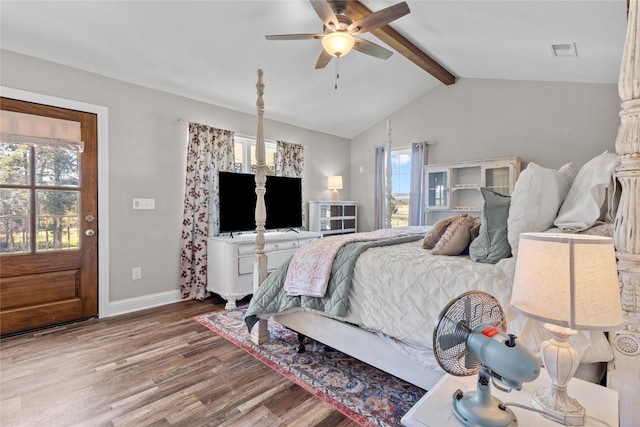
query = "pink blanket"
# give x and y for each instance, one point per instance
(310, 266)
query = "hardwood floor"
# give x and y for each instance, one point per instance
(156, 367)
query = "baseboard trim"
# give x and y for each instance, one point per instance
(130, 305)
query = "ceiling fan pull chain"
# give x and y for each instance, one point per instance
(337, 72)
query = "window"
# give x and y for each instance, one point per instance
(401, 187)
(245, 155)
(40, 192)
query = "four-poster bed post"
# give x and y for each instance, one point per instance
(624, 371)
(260, 332)
(388, 179)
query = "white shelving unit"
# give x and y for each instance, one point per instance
(454, 188)
(333, 217)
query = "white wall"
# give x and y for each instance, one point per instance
(147, 152)
(547, 123)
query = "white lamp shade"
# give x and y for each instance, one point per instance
(338, 43)
(567, 280)
(334, 183)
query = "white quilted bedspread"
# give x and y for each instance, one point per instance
(407, 282)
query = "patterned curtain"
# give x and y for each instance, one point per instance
(380, 186)
(290, 162)
(210, 150)
(417, 194)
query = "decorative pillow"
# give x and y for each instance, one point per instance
(456, 237)
(492, 243)
(436, 232)
(584, 203)
(535, 201)
(475, 229)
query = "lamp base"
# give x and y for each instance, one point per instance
(334, 195)
(561, 361)
(557, 405)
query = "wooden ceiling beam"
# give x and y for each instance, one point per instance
(356, 10)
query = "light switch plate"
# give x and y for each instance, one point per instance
(144, 203)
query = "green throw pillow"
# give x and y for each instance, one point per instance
(492, 244)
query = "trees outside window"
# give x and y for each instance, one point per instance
(40, 198)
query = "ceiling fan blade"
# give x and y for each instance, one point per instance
(356, 10)
(323, 59)
(324, 11)
(370, 48)
(294, 36)
(379, 18)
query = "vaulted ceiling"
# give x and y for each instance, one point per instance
(210, 50)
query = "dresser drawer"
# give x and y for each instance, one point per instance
(270, 247)
(274, 260)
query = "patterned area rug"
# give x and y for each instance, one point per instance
(361, 392)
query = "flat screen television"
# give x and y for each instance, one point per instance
(283, 202)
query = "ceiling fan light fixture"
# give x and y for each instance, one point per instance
(338, 43)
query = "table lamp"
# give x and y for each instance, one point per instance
(334, 183)
(570, 282)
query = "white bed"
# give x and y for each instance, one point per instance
(382, 352)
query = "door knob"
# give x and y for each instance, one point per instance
(89, 232)
(89, 218)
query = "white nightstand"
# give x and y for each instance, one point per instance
(434, 409)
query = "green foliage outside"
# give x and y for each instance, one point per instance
(43, 182)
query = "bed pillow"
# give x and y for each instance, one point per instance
(584, 203)
(438, 229)
(492, 243)
(456, 237)
(569, 172)
(535, 201)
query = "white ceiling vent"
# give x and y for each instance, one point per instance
(564, 50)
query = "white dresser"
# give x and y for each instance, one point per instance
(230, 260)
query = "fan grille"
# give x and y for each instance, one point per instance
(456, 320)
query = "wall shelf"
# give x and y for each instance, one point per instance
(455, 187)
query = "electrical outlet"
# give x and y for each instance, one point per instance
(136, 273)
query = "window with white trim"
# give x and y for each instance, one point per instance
(245, 155)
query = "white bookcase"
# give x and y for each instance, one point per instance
(230, 260)
(333, 217)
(454, 188)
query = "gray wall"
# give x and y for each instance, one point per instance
(147, 152)
(474, 119)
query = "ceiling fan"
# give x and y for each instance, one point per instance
(339, 30)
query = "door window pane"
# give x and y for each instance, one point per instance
(56, 167)
(57, 219)
(15, 236)
(14, 164)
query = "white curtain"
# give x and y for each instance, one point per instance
(210, 150)
(419, 160)
(290, 162)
